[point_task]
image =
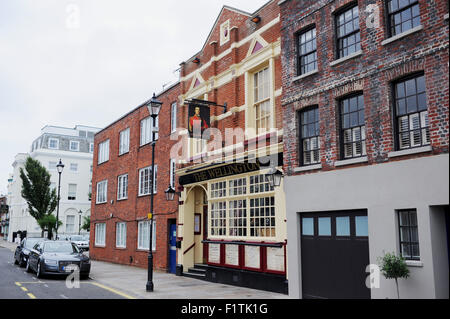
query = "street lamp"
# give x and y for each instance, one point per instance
(170, 193)
(79, 221)
(274, 177)
(60, 168)
(154, 107)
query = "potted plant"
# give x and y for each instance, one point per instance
(394, 267)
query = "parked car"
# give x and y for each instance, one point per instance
(62, 237)
(55, 257)
(23, 250)
(80, 242)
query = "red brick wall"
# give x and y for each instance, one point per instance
(373, 72)
(134, 208)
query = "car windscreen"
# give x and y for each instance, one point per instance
(60, 247)
(30, 242)
(76, 238)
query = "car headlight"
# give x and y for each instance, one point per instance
(51, 262)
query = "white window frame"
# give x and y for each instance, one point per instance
(72, 225)
(122, 187)
(100, 234)
(155, 178)
(144, 238)
(104, 192)
(74, 167)
(103, 152)
(91, 147)
(173, 117)
(172, 172)
(50, 140)
(121, 235)
(71, 193)
(77, 149)
(124, 141)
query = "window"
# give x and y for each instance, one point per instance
(147, 130)
(74, 146)
(172, 172)
(52, 165)
(262, 217)
(70, 223)
(409, 234)
(308, 226)
(307, 51)
(237, 218)
(144, 235)
(73, 167)
(122, 187)
(124, 144)
(121, 235)
(91, 147)
(173, 117)
(53, 143)
(103, 152)
(347, 31)
(343, 226)
(324, 226)
(102, 189)
(361, 226)
(353, 129)
(411, 113)
(403, 15)
(100, 232)
(262, 104)
(309, 137)
(259, 184)
(72, 194)
(218, 218)
(145, 180)
(238, 186)
(218, 190)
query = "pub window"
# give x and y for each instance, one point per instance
(409, 234)
(307, 51)
(411, 113)
(238, 186)
(218, 190)
(353, 129)
(347, 32)
(262, 105)
(218, 218)
(259, 184)
(403, 15)
(237, 217)
(309, 136)
(262, 217)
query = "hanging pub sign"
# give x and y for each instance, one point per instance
(198, 120)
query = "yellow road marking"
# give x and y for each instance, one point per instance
(24, 289)
(18, 284)
(31, 295)
(112, 290)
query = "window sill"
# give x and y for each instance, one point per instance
(99, 246)
(402, 35)
(410, 151)
(414, 263)
(121, 199)
(351, 161)
(101, 203)
(144, 195)
(307, 168)
(348, 57)
(125, 153)
(305, 75)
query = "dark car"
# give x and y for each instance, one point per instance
(57, 257)
(23, 250)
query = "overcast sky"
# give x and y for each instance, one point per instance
(88, 62)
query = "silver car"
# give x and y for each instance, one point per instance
(80, 241)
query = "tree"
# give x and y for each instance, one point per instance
(41, 200)
(394, 267)
(86, 223)
(49, 222)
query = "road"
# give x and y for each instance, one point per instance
(16, 283)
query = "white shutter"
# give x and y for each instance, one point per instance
(426, 130)
(415, 129)
(348, 151)
(155, 178)
(404, 134)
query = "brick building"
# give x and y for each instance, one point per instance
(366, 139)
(232, 224)
(121, 187)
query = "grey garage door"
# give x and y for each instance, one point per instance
(335, 254)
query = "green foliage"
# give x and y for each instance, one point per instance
(48, 222)
(394, 267)
(86, 223)
(41, 200)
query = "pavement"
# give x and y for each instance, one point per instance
(129, 282)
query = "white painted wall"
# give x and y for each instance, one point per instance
(381, 189)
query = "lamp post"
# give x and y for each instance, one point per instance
(60, 168)
(79, 222)
(154, 106)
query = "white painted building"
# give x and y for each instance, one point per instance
(75, 149)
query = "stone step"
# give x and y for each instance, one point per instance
(200, 271)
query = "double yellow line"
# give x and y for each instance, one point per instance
(29, 294)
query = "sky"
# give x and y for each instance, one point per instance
(88, 62)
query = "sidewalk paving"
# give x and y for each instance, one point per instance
(130, 281)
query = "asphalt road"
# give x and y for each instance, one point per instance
(16, 283)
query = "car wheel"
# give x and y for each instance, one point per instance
(15, 261)
(28, 267)
(84, 276)
(22, 263)
(39, 271)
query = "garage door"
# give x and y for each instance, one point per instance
(335, 254)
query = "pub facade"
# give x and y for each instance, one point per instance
(231, 225)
